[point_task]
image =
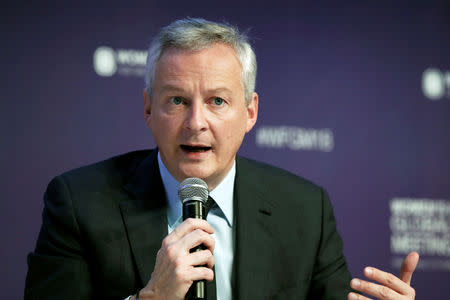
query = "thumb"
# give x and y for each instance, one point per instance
(408, 267)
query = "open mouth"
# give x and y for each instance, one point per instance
(195, 148)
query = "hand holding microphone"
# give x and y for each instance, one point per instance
(181, 263)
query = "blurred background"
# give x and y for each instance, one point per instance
(354, 95)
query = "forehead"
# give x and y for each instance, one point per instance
(219, 61)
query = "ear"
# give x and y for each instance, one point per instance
(252, 112)
(147, 107)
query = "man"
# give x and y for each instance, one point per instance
(114, 228)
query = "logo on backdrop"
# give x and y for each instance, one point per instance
(126, 62)
(421, 225)
(436, 84)
(295, 138)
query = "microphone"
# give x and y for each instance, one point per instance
(193, 193)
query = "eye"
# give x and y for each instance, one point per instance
(177, 100)
(218, 101)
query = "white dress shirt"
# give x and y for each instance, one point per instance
(221, 219)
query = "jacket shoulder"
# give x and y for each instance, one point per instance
(113, 171)
(271, 176)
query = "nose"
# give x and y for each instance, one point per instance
(196, 117)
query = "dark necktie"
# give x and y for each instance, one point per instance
(209, 203)
(210, 285)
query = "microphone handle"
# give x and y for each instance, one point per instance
(195, 209)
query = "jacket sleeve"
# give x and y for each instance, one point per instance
(330, 278)
(58, 269)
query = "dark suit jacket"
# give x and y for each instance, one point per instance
(103, 225)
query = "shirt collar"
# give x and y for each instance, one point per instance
(222, 195)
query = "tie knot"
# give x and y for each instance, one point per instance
(209, 203)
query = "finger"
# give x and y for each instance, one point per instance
(186, 227)
(387, 279)
(408, 267)
(190, 225)
(196, 238)
(355, 296)
(203, 257)
(199, 273)
(373, 289)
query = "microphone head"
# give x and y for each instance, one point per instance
(193, 189)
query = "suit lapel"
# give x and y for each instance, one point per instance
(254, 236)
(145, 215)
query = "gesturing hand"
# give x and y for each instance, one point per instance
(390, 287)
(175, 268)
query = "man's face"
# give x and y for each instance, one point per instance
(197, 112)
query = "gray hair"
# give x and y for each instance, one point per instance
(196, 34)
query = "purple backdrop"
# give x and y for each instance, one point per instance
(354, 96)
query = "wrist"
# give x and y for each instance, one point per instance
(145, 294)
(134, 297)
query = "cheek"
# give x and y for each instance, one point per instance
(234, 133)
(229, 132)
(165, 122)
(163, 128)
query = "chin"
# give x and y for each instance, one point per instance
(195, 171)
